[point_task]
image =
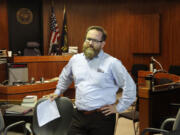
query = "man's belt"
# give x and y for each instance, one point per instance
(89, 112)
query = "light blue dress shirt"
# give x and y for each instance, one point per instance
(97, 81)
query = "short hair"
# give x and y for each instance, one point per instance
(98, 28)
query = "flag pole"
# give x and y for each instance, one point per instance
(52, 3)
(52, 6)
(63, 43)
(64, 9)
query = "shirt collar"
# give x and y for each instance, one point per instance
(100, 53)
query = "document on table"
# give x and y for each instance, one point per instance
(46, 112)
(18, 109)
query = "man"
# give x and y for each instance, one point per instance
(97, 77)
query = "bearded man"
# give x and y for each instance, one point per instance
(97, 77)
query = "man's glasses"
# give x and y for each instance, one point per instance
(88, 40)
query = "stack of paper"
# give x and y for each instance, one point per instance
(18, 109)
(3, 53)
(29, 101)
(73, 49)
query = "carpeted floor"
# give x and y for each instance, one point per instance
(124, 127)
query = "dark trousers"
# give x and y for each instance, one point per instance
(92, 124)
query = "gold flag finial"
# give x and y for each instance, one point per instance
(64, 8)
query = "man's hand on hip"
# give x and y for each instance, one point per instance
(109, 109)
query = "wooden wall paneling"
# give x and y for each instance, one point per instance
(3, 25)
(75, 27)
(106, 17)
(147, 34)
(45, 14)
(121, 22)
(144, 9)
(81, 14)
(77, 22)
(47, 70)
(79, 17)
(163, 56)
(84, 14)
(118, 18)
(3, 72)
(175, 35)
(169, 36)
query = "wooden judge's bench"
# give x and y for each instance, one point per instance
(48, 67)
(155, 99)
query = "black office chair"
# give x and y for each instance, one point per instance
(32, 49)
(177, 132)
(162, 130)
(135, 68)
(5, 130)
(174, 69)
(58, 126)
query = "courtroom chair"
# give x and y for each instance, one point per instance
(7, 130)
(58, 126)
(174, 69)
(162, 130)
(176, 132)
(135, 68)
(32, 49)
(134, 72)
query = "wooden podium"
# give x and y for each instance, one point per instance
(154, 103)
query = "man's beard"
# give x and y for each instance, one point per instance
(90, 52)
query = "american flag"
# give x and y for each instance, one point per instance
(55, 35)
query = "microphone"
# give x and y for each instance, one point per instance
(154, 60)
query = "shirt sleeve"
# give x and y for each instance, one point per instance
(124, 81)
(65, 78)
